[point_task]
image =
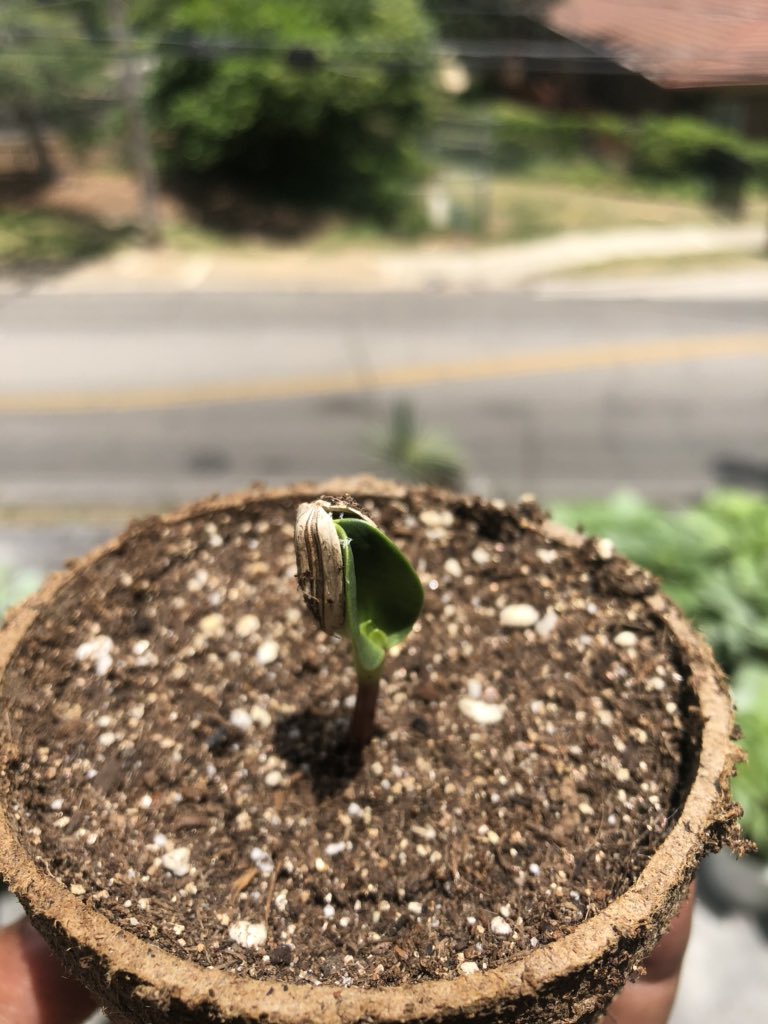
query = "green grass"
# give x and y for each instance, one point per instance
(673, 264)
(546, 200)
(46, 240)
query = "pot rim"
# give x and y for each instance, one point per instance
(706, 820)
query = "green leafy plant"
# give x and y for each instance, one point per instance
(15, 585)
(414, 455)
(712, 560)
(262, 89)
(356, 582)
(750, 787)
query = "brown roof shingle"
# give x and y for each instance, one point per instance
(675, 43)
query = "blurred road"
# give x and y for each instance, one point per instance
(143, 400)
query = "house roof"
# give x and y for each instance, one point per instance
(676, 43)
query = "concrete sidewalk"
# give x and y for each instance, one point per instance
(445, 265)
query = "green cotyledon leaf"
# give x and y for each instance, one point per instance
(383, 594)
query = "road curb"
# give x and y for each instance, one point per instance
(436, 266)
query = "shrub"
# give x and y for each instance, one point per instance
(653, 146)
(243, 101)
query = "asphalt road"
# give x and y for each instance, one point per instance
(146, 400)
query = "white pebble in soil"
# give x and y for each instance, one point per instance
(267, 652)
(260, 716)
(212, 626)
(501, 927)
(480, 711)
(247, 625)
(97, 653)
(605, 548)
(547, 623)
(519, 616)
(250, 934)
(436, 518)
(262, 861)
(240, 719)
(177, 861)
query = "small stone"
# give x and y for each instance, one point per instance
(605, 548)
(626, 638)
(261, 717)
(547, 623)
(106, 739)
(586, 809)
(267, 652)
(243, 821)
(469, 967)
(77, 889)
(329, 912)
(212, 626)
(91, 649)
(500, 927)
(247, 625)
(334, 849)
(480, 711)
(415, 908)
(434, 517)
(250, 934)
(519, 616)
(534, 869)
(475, 688)
(547, 555)
(177, 861)
(262, 861)
(481, 555)
(453, 568)
(240, 719)
(97, 653)
(273, 778)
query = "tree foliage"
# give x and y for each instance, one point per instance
(486, 19)
(309, 101)
(49, 70)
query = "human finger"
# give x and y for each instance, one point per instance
(649, 1000)
(33, 989)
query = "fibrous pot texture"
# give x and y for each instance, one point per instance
(182, 821)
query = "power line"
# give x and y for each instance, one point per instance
(465, 49)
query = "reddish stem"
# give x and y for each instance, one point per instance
(361, 726)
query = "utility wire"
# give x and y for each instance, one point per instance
(475, 50)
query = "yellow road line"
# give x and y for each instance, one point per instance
(520, 364)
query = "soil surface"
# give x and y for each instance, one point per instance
(180, 758)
